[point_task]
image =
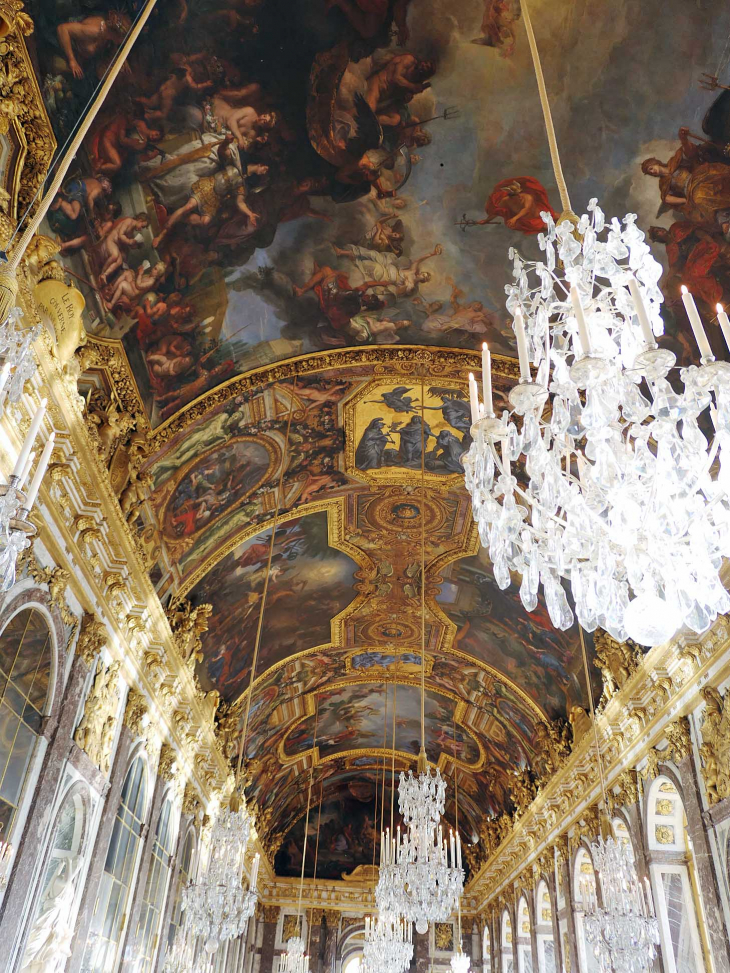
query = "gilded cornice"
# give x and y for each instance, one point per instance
(682, 666)
(430, 361)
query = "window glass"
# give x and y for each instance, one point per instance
(51, 930)
(25, 671)
(110, 912)
(153, 904)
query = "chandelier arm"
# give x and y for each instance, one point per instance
(260, 624)
(547, 114)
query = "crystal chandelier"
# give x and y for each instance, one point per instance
(295, 959)
(460, 961)
(623, 931)
(622, 494)
(388, 943)
(217, 906)
(16, 502)
(421, 877)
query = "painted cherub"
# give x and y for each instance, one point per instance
(130, 286)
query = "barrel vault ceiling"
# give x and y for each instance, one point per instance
(290, 224)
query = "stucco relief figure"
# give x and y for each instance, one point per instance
(95, 732)
(49, 941)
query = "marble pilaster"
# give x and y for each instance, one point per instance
(331, 930)
(707, 878)
(268, 941)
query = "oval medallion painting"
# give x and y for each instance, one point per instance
(215, 484)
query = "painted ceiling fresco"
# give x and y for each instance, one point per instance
(290, 222)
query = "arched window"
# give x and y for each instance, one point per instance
(110, 912)
(584, 880)
(544, 930)
(486, 951)
(508, 963)
(51, 928)
(25, 674)
(524, 942)
(353, 964)
(673, 879)
(155, 893)
(184, 876)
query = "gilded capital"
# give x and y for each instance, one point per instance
(628, 793)
(562, 847)
(135, 712)
(271, 913)
(167, 764)
(191, 800)
(680, 738)
(93, 638)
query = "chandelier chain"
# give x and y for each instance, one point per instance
(423, 568)
(547, 113)
(267, 577)
(306, 820)
(316, 857)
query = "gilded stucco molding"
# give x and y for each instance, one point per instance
(638, 726)
(25, 129)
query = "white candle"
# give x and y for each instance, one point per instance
(26, 471)
(724, 324)
(524, 357)
(505, 458)
(4, 372)
(695, 321)
(580, 318)
(458, 849)
(487, 380)
(451, 847)
(35, 483)
(473, 398)
(649, 897)
(641, 314)
(30, 439)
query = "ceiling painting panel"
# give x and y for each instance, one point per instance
(491, 623)
(310, 582)
(355, 717)
(303, 176)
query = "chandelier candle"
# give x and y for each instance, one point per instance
(641, 313)
(580, 320)
(30, 438)
(724, 323)
(487, 380)
(519, 326)
(696, 322)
